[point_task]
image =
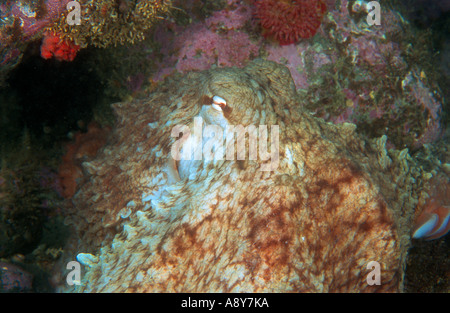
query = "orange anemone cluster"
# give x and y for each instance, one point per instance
(62, 50)
(86, 146)
(288, 21)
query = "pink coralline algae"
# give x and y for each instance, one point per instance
(32, 22)
(293, 57)
(235, 16)
(218, 41)
(290, 56)
(205, 48)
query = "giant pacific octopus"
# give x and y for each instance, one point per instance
(313, 222)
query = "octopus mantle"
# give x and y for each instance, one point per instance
(333, 203)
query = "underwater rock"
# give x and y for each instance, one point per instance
(311, 218)
(14, 279)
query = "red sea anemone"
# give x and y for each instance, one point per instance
(289, 20)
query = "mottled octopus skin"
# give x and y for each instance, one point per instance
(335, 202)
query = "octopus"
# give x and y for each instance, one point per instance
(311, 207)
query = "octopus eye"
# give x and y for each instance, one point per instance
(218, 103)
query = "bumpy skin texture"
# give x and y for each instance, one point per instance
(334, 203)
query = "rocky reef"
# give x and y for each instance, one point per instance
(309, 218)
(107, 22)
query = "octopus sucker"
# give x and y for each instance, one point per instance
(334, 203)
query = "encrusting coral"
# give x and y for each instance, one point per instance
(110, 22)
(331, 204)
